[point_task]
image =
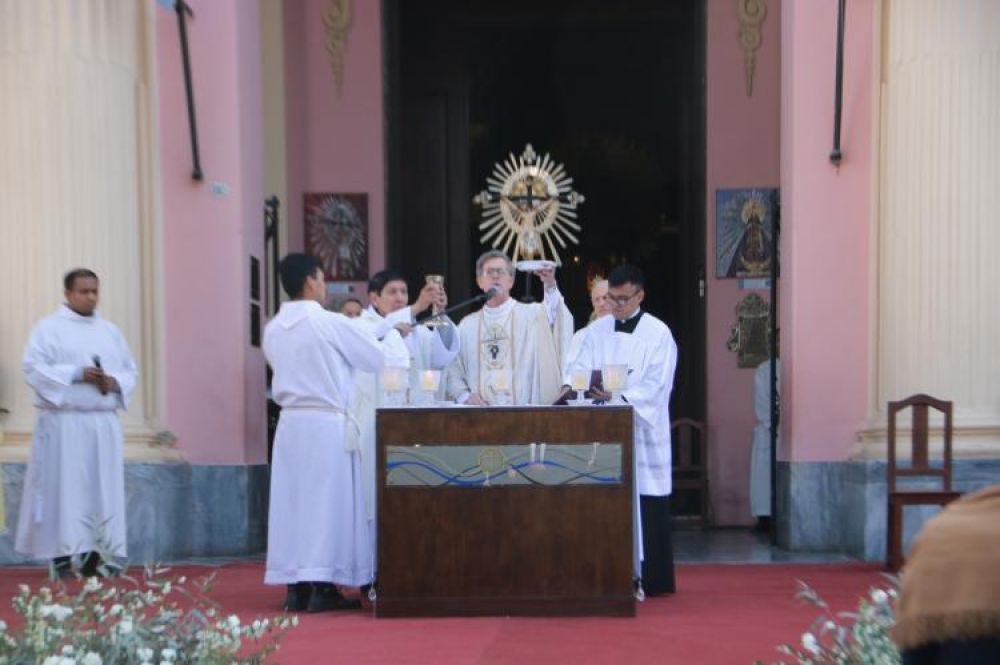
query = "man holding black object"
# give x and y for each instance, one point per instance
(639, 340)
(82, 371)
(511, 352)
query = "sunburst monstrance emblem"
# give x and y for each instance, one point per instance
(529, 205)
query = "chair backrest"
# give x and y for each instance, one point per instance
(688, 437)
(919, 446)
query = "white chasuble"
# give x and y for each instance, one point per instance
(512, 354)
(74, 488)
(318, 530)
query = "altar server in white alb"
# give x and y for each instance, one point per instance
(389, 319)
(318, 533)
(82, 372)
(640, 340)
(511, 352)
(427, 348)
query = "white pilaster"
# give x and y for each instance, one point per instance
(78, 185)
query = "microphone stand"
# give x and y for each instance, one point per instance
(462, 305)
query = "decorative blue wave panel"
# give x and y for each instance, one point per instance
(548, 464)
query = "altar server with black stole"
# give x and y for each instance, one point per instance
(81, 370)
(643, 342)
(318, 533)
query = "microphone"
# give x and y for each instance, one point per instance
(97, 364)
(486, 295)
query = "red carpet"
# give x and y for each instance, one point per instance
(721, 614)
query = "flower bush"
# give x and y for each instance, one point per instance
(143, 621)
(849, 638)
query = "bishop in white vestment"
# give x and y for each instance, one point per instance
(511, 352)
(82, 372)
(645, 344)
(318, 532)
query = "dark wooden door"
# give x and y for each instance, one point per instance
(614, 91)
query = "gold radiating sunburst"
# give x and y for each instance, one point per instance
(529, 206)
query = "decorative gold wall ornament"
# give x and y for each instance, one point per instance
(751, 14)
(338, 20)
(529, 204)
(750, 336)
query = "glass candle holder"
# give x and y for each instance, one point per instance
(613, 376)
(394, 384)
(580, 382)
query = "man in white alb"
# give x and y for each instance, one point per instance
(318, 533)
(511, 352)
(638, 339)
(82, 371)
(428, 348)
(601, 307)
(760, 452)
(388, 318)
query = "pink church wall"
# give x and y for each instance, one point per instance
(743, 150)
(335, 143)
(214, 379)
(826, 231)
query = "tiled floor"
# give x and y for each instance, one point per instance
(739, 546)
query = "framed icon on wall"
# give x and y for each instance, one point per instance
(336, 232)
(744, 224)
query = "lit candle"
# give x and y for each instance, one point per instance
(614, 376)
(392, 379)
(581, 379)
(429, 379)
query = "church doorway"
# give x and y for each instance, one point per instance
(613, 91)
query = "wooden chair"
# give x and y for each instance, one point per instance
(919, 467)
(690, 464)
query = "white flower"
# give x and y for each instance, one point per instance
(234, 621)
(52, 660)
(91, 658)
(880, 597)
(144, 653)
(125, 626)
(829, 625)
(168, 655)
(67, 661)
(68, 650)
(809, 643)
(92, 584)
(3, 626)
(61, 612)
(45, 611)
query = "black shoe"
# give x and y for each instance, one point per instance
(297, 598)
(91, 565)
(325, 597)
(763, 524)
(62, 568)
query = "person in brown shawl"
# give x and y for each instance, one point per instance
(949, 603)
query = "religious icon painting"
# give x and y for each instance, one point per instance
(744, 224)
(336, 230)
